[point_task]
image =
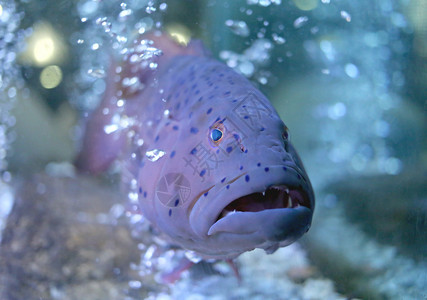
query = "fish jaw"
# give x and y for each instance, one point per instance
(282, 218)
(274, 225)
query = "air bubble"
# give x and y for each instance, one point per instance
(150, 9)
(299, 22)
(120, 103)
(263, 3)
(135, 284)
(95, 46)
(125, 13)
(110, 128)
(351, 70)
(153, 66)
(278, 39)
(96, 73)
(345, 15)
(238, 27)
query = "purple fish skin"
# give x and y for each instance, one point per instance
(229, 180)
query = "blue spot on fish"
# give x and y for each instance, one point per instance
(156, 139)
(176, 202)
(222, 180)
(205, 194)
(228, 186)
(229, 149)
(247, 178)
(241, 167)
(140, 190)
(258, 164)
(203, 172)
(194, 130)
(194, 151)
(170, 212)
(175, 127)
(209, 111)
(145, 194)
(266, 169)
(173, 153)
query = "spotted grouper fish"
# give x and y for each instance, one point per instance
(206, 155)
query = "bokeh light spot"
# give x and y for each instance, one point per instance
(51, 77)
(44, 49)
(306, 4)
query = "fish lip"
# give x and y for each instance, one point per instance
(204, 214)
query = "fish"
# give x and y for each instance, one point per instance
(205, 153)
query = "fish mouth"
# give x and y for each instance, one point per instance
(256, 209)
(274, 197)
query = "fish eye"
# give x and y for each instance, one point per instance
(216, 135)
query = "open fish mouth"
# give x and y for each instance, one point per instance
(274, 197)
(256, 209)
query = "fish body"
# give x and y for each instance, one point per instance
(205, 151)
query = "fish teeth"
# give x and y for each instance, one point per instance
(289, 202)
(226, 213)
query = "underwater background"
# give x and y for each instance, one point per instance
(349, 79)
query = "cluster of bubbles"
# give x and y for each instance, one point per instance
(356, 126)
(264, 3)
(251, 60)
(112, 47)
(11, 83)
(110, 31)
(109, 43)
(352, 138)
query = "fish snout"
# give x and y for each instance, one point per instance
(262, 208)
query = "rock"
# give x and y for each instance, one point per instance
(61, 242)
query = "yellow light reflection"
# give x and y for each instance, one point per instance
(44, 47)
(51, 77)
(179, 33)
(306, 4)
(1, 10)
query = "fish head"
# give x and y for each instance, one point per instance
(236, 180)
